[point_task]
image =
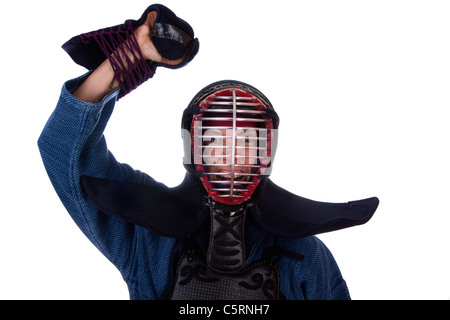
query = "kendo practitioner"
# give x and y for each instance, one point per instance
(227, 231)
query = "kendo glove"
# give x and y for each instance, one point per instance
(172, 37)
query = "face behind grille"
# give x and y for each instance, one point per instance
(231, 145)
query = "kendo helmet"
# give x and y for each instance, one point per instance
(229, 132)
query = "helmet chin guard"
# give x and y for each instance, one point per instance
(232, 141)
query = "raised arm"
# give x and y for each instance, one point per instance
(72, 143)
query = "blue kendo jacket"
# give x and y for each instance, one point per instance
(72, 145)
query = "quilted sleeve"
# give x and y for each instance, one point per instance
(72, 144)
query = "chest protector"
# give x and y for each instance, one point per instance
(222, 274)
(194, 280)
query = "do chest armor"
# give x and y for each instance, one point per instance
(194, 280)
(222, 274)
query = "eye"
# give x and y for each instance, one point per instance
(208, 141)
(212, 138)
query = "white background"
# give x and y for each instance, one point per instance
(362, 90)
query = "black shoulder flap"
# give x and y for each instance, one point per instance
(171, 212)
(285, 214)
